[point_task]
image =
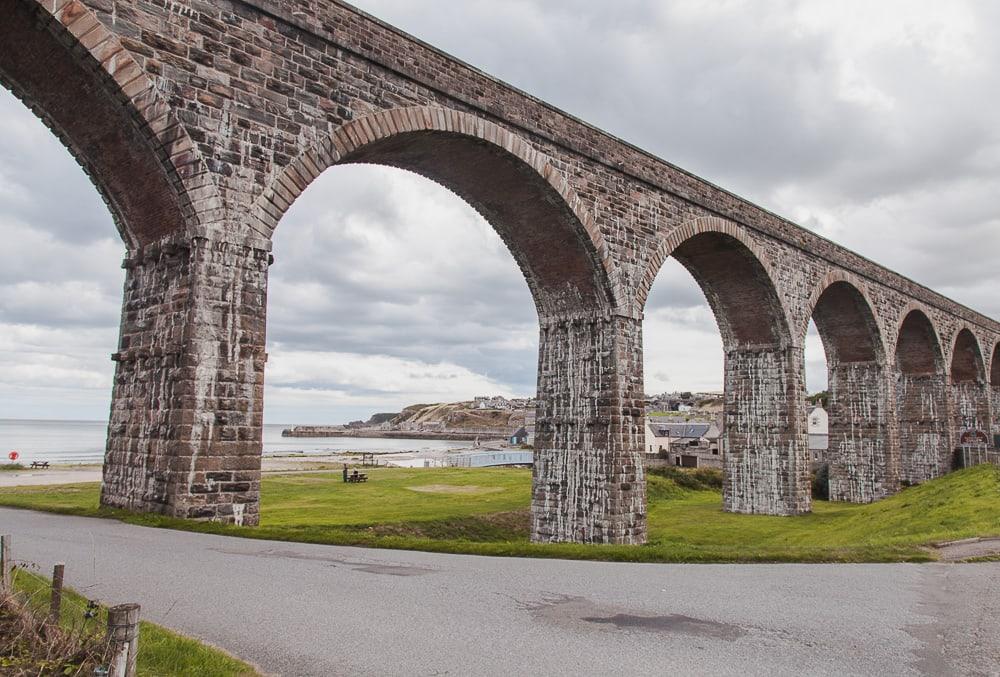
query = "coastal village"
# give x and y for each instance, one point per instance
(683, 429)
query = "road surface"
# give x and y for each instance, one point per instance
(296, 609)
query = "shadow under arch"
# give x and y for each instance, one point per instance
(922, 402)
(722, 228)
(766, 459)
(967, 364)
(995, 366)
(862, 452)
(544, 224)
(970, 399)
(74, 74)
(994, 388)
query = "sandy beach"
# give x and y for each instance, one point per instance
(72, 474)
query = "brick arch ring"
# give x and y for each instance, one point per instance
(991, 358)
(178, 155)
(830, 278)
(979, 347)
(707, 224)
(292, 181)
(938, 343)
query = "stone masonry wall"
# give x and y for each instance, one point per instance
(995, 409)
(588, 482)
(863, 450)
(922, 406)
(142, 430)
(971, 406)
(767, 458)
(185, 431)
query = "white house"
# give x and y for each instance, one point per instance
(819, 431)
(657, 439)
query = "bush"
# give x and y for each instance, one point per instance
(699, 479)
(821, 483)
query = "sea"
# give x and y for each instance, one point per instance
(83, 442)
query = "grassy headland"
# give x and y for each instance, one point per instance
(485, 511)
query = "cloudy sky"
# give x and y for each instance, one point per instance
(874, 124)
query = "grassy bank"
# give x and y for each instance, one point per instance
(161, 652)
(485, 511)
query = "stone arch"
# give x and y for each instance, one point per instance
(676, 238)
(861, 453)
(587, 480)
(971, 397)
(918, 344)
(994, 389)
(735, 276)
(74, 73)
(566, 263)
(766, 457)
(967, 365)
(922, 399)
(845, 319)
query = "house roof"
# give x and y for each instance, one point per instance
(680, 430)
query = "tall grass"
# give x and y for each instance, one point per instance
(75, 646)
(32, 644)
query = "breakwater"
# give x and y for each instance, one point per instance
(62, 442)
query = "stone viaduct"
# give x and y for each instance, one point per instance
(201, 121)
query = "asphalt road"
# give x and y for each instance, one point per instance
(320, 610)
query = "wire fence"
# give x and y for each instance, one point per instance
(63, 626)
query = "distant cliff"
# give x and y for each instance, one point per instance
(458, 416)
(454, 421)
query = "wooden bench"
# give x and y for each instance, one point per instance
(360, 477)
(40, 464)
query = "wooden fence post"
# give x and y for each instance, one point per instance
(5, 564)
(55, 605)
(123, 639)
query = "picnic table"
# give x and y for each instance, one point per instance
(357, 477)
(40, 464)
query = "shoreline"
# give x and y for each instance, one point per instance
(288, 462)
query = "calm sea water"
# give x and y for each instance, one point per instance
(83, 442)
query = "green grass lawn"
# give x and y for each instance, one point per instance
(161, 652)
(485, 511)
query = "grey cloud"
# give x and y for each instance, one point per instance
(686, 88)
(402, 306)
(674, 288)
(41, 185)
